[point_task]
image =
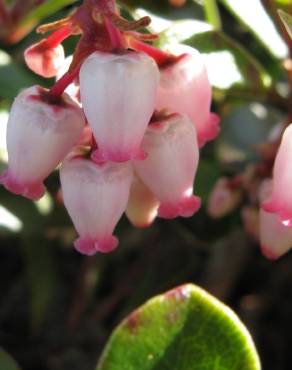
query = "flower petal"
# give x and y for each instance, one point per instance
(96, 197)
(170, 167)
(118, 93)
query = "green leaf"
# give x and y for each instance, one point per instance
(228, 63)
(48, 8)
(184, 329)
(13, 77)
(287, 20)
(255, 18)
(207, 175)
(236, 144)
(164, 9)
(7, 362)
(212, 14)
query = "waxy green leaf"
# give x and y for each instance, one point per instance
(184, 329)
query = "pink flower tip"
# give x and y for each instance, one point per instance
(268, 253)
(210, 131)
(186, 207)
(99, 156)
(33, 191)
(268, 206)
(90, 247)
(284, 215)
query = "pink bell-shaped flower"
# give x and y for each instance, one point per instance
(281, 196)
(44, 59)
(275, 237)
(95, 196)
(39, 136)
(118, 94)
(185, 88)
(142, 206)
(170, 167)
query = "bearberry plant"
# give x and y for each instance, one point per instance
(120, 121)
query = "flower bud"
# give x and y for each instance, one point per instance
(95, 196)
(281, 196)
(142, 206)
(185, 88)
(275, 237)
(118, 93)
(39, 136)
(170, 167)
(223, 199)
(44, 59)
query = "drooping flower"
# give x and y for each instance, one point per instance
(39, 136)
(223, 199)
(118, 93)
(170, 167)
(280, 201)
(185, 88)
(275, 237)
(142, 206)
(44, 59)
(95, 196)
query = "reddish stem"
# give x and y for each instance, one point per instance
(161, 57)
(57, 37)
(4, 15)
(60, 86)
(115, 35)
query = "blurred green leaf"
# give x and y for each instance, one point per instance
(258, 120)
(207, 175)
(228, 63)
(185, 329)
(24, 210)
(48, 8)
(287, 20)
(212, 13)
(40, 264)
(284, 2)
(258, 22)
(180, 31)
(14, 77)
(7, 362)
(162, 8)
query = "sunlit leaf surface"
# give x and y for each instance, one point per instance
(184, 329)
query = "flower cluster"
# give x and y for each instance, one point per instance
(128, 136)
(265, 189)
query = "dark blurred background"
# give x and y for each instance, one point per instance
(58, 308)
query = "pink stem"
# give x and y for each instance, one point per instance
(160, 56)
(105, 6)
(114, 34)
(60, 86)
(57, 37)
